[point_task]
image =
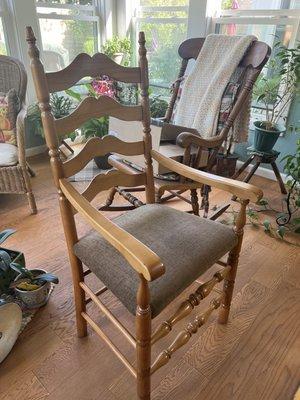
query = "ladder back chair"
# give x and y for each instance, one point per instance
(196, 151)
(135, 255)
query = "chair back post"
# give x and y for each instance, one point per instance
(143, 64)
(41, 87)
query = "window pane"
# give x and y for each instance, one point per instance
(3, 49)
(63, 40)
(78, 2)
(252, 4)
(163, 38)
(266, 33)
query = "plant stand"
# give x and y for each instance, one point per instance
(258, 158)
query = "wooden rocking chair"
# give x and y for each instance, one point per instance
(136, 248)
(186, 143)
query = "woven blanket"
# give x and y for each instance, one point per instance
(203, 89)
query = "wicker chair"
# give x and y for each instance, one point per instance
(14, 169)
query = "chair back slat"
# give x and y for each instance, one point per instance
(91, 107)
(93, 66)
(99, 147)
(112, 178)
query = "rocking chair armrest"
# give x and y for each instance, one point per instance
(172, 131)
(138, 255)
(243, 190)
(186, 139)
(20, 132)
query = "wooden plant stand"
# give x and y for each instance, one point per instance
(258, 158)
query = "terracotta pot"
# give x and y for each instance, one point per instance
(34, 298)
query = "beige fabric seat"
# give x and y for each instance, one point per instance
(8, 155)
(187, 245)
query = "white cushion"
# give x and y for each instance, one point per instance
(8, 154)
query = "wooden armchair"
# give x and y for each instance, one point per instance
(136, 255)
(14, 169)
(186, 144)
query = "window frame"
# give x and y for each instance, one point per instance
(158, 20)
(281, 17)
(88, 18)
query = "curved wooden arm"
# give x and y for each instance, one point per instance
(243, 190)
(172, 131)
(20, 131)
(139, 256)
(185, 139)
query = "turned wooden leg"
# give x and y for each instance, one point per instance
(143, 337)
(76, 265)
(233, 260)
(195, 201)
(111, 196)
(278, 177)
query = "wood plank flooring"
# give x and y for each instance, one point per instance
(255, 357)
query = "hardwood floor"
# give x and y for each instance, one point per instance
(255, 357)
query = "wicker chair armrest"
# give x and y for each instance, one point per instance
(20, 131)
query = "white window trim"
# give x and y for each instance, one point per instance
(283, 17)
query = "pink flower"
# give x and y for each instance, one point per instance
(104, 87)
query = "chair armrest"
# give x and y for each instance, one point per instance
(20, 132)
(243, 190)
(138, 255)
(171, 131)
(186, 139)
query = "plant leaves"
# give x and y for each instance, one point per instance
(5, 260)
(47, 277)
(281, 231)
(267, 225)
(5, 234)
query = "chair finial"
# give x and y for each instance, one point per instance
(142, 47)
(33, 51)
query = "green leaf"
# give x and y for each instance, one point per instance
(263, 202)
(47, 277)
(73, 94)
(281, 231)
(267, 225)
(5, 234)
(5, 260)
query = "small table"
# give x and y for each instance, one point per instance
(261, 157)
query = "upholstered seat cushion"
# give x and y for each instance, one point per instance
(187, 245)
(8, 155)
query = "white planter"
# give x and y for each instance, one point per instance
(34, 298)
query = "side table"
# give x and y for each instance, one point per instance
(259, 157)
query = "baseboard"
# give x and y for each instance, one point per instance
(264, 172)
(33, 151)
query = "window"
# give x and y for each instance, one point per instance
(244, 17)
(3, 47)
(165, 27)
(68, 27)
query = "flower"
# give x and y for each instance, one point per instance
(104, 87)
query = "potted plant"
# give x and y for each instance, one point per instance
(32, 286)
(118, 49)
(274, 91)
(97, 127)
(8, 258)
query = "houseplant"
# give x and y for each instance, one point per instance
(118, 49)
(8, 258)
(32, 286)
(274, 91)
